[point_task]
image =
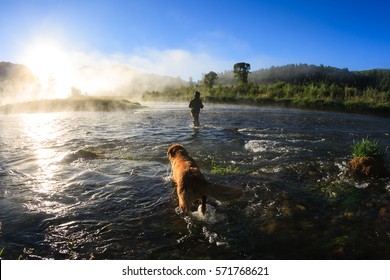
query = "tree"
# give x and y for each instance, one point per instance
(241, 71)
(191, 82)
(210, 79)
(75, 92)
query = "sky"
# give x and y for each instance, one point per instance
(186, 39)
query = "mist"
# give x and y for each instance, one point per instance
(19, 84)
(48, 70)
(120, 80)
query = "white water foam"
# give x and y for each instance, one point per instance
(213, 238)
(258, 146)
(211, 216)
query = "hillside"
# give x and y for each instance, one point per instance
(301, 74)
(16, 80)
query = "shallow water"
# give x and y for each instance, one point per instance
(97, 185)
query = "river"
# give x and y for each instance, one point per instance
(96, 185)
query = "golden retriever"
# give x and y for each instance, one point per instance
(191, 185)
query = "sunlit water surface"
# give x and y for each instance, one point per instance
(89, 185)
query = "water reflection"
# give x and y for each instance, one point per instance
(42, 132)
(61, 200)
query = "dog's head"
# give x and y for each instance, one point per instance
(176, 149)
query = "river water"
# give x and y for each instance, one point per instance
(89, 185)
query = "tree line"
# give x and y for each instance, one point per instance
(302, 74)
(297, 85)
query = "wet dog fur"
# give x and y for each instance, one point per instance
(191, 185)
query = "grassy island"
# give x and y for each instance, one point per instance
(105, 104)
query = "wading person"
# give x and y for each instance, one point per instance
(195, 105)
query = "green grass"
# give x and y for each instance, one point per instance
(333, 190)
(26, 253)
(320, 96)
(222, 169)
(367, 148)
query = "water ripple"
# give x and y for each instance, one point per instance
(97, 185)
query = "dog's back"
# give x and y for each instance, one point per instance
(191, 185)
(190, 182)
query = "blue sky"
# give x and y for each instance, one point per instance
(188, 38)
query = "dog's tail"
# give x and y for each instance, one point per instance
(224, 192)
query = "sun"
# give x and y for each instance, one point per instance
(51, 64)
(45, 58)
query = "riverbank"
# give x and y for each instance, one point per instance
(355, 107)
(285, 95)
(93, 104)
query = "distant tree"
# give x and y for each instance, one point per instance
(191, 82)
(75, 92)
(210, 79)
(241, 71)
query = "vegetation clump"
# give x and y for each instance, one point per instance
(368, 158)
(367, 148)
(226, 169)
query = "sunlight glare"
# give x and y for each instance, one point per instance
(52, 65)
(43, 131)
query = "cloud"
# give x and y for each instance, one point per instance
(175, 62)
(168, 62)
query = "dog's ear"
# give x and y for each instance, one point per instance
(172, 150)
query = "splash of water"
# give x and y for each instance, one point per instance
(210, 216)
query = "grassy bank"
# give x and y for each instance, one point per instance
(311, 96)
(105, 104)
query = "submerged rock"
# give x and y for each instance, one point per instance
(81, 154)
(367, 166)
